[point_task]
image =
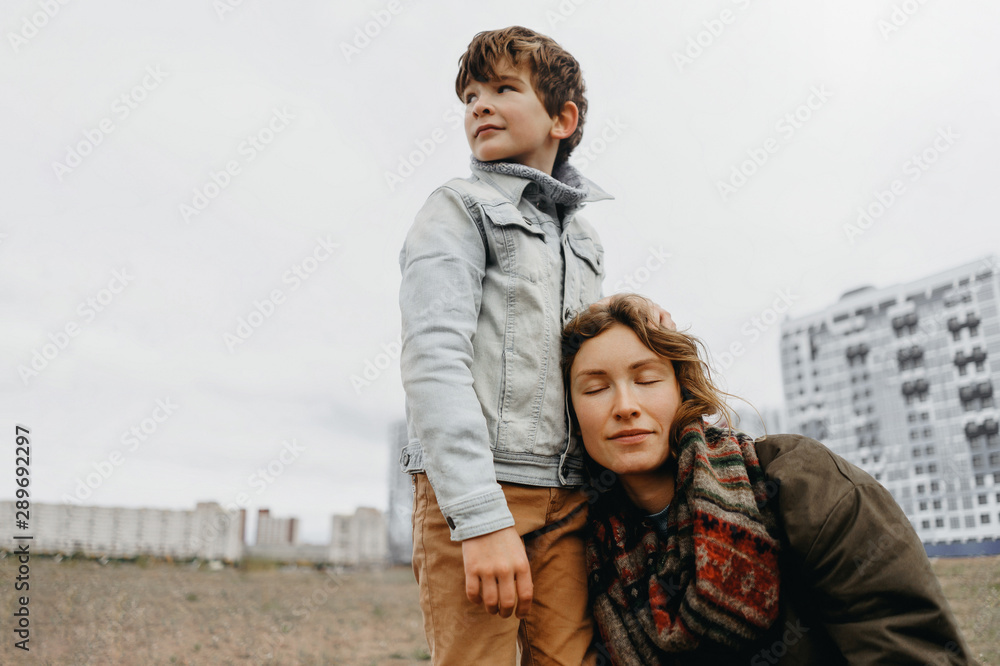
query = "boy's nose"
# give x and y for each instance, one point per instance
(481, 107)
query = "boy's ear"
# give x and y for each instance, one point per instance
(564, 122)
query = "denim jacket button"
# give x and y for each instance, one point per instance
(405, 458)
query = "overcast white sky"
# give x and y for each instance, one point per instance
(114, 114)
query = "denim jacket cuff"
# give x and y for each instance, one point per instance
(477, 516)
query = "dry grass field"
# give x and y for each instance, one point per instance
(85, 613)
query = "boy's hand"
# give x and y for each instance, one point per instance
(662, 317)
(497, 574)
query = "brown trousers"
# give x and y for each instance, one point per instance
(558, 629)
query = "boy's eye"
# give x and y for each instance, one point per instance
(505, 86)
(469, 98)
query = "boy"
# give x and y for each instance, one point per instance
(492, 269)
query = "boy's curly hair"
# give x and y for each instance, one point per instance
(555, 74)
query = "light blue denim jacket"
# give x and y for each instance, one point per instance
(489, 280)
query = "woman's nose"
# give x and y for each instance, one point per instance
(625, 404)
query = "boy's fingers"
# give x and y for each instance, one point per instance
(508, 596)
(472, 589)
(490, 595)
(525, 593)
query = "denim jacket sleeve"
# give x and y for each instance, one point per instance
(443, 262)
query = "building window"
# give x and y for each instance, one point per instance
(935, 486)
(932, 468)
(919, 469)
(923, 506)
(966, 502)
(970, 521)
(980, 480)
(920, 489)
(937, 504)
(925, 524)
(939, 522)
(982, 498)
(954, 523)
(984, 519)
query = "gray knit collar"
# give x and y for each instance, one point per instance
(565, 186)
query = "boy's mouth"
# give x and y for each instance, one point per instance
(483, 128)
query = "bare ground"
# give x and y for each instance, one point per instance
(86, 613)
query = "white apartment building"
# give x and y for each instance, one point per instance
(359, 539)
(399, 518)
(209, 532)
(901, 381)
(273, 531)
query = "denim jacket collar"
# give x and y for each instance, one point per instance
(566, 186)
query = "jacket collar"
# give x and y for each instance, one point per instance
(566, 186)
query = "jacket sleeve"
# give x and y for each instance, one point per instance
(862, 564)
(443, 263)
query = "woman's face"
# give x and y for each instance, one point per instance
(625, 397)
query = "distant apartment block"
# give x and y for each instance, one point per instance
(209, 532)
(359, 539)
(901, 382)
(273, 531)
(400, 500)
(766, 420)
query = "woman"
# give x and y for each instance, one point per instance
(707, 547)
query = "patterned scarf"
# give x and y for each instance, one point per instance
(712, 580)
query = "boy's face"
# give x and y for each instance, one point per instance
(505, 120)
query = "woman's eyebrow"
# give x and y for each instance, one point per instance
(634, 366)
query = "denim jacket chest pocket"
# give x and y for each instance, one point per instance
(519, 243)
(583, 276)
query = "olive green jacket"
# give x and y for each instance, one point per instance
(856, 584)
